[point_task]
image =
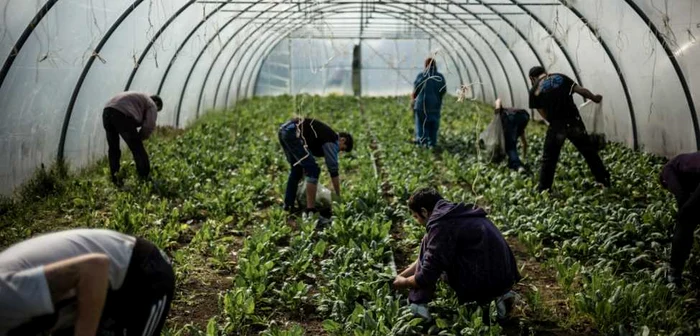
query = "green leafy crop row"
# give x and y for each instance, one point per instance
(244, 268)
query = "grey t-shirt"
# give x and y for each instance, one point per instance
(140, 107)
(24, 292)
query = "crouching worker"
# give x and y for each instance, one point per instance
(302, 139)
(464, 248)
(123, 115)
(514, 123)
(84, 282)
(681, 176)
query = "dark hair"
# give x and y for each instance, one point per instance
(536, 71)
(158, 101)
(424, 198)
(348, 141)
(430, 63)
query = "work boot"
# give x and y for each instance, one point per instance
(117, 181)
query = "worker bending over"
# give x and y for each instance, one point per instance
(552, 96)
(301, 140)
(123, 115)
(466, 247)
(84, 282)
(681, 176)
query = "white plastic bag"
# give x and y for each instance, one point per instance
(592, 117)
(492, 139)
(323, 196)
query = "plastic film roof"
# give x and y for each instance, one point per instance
(63, 59)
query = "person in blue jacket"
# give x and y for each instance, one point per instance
(428, 90)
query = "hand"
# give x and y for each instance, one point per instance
(498, 103)
(597, 99)
(400, 282)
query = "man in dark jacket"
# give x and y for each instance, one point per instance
(681, 176)
(552, 96)
(301, 140)
(428, 90)
(466, 247)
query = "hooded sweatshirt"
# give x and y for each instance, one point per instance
(428, 89)
(681, 176)
(462, 243)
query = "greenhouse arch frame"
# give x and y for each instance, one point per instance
(57, 54)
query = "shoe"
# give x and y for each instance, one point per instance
(118, 182)
(420, 310)
(504, 306)
(674, 279)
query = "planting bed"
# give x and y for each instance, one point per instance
(591, 258)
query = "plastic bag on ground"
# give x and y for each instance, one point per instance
(592, 117)
(492, 139)
(323, 197)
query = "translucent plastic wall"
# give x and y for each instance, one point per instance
(63, 59)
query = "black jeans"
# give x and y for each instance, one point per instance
(118, 124)
(683, 235)
(575, 131)
(513, 126)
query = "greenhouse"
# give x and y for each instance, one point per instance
(349, 167)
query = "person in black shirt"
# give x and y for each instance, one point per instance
(514, 123)
(681, 176)
(552, 96)
(301, 140)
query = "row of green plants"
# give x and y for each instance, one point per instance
(607, 247)
(215, 207)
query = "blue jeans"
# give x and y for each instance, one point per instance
(513, 126)
(427, 126)
(301, 160)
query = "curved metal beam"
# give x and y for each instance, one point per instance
(486, 42)
(676, 67)
(259, 60)
(201, 52)
(275, 43)
(272, 46)
(618, 70)
(23, 39)
(234, 54)
(184, 42)
(577, 73)
(86, 69)
(434, 17)
(443, 22)
(153, 41)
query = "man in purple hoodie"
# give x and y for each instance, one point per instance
(465, 247)
(681, 176)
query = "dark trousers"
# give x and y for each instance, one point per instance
(575, 131)
(513, 126)
(118, 124)
(683, 235)
(427, 127)
(141, 305)
(301, 160)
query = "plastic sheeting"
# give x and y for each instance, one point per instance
(62, 59)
